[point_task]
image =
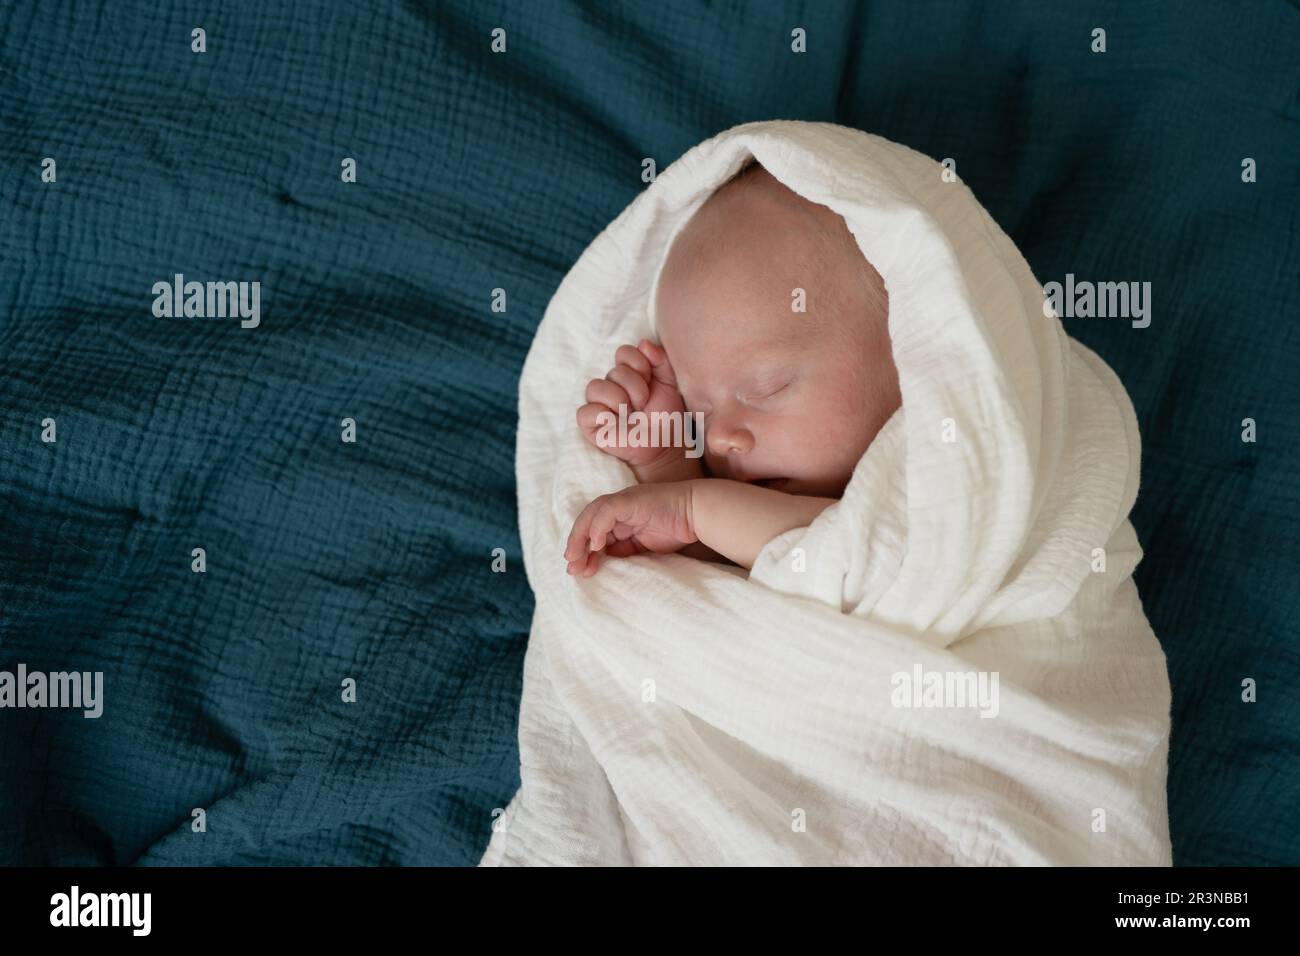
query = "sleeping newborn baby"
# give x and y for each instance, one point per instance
(774, 328)
(922, 491)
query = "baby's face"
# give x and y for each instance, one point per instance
(790, 399)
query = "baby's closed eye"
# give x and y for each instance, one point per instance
(769, 389)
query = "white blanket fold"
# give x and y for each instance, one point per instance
(681, 712)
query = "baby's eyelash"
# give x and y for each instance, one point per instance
(769, 392)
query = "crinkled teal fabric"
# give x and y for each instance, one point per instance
(372, 561)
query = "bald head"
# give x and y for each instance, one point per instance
(757, 231)
(776, 326)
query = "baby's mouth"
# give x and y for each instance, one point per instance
(776, 484)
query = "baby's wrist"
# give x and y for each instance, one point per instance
(673, 465)
(694, 489)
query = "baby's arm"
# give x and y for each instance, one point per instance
(733, 518)
(737, 520)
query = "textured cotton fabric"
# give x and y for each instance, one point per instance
(479, 171)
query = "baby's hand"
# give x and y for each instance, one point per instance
(643, 380)
(640, 518)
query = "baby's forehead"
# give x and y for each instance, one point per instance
(755, 222)
(764, 271)
(759, 259)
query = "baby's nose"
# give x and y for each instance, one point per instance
(723, 440)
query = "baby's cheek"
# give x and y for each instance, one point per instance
(818, 441)
(853, 429)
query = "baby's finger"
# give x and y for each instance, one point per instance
(576, 547)
(638, 390)
(592, 564)
(631, 355)
(604, 392)
(580, 566)
(589, 419)
(661, 368)
(602, 524)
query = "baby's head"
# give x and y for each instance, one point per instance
(790, 398)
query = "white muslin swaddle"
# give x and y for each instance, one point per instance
(949, 666)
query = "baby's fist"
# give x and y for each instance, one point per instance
(642, 379)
